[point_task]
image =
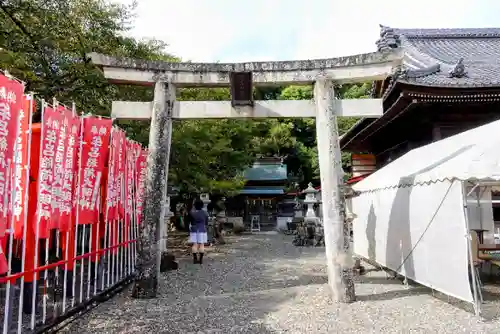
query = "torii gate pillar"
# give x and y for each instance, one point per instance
(323, 73)
(337, 236)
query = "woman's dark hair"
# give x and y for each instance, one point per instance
(198, 204)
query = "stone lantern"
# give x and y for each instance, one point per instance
(319, 198)
(310, 201)
(205, 198)
(221, 215)
(298, 209)
(222, 212)
(349, 193)
(220, 220)
(313, 223)
(167, 214)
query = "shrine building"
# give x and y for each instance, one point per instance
(449, 82)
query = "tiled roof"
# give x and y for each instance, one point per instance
(431, 56)
(266, 172)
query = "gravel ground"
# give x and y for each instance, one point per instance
(263, 284)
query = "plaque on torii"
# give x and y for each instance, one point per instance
(241, 77)
(241, 89)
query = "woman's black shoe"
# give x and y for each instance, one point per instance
(201, 259)
(195, 259)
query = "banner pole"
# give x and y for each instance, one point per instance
(37, 229)
(109, 192)
(11, 179)
(70, 213)
(84, 227)
(25, 213)
(77, 213)
(56, 203)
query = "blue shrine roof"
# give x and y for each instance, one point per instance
(263, 190)
(266, 172)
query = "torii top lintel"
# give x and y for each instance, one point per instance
(356, 68)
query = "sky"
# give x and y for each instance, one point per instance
(264, 30)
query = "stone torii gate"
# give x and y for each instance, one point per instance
(241, 77)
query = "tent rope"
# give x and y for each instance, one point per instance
(426, 228)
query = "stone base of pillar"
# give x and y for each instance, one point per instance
(168, 262)
(146, 283)
(358, 268)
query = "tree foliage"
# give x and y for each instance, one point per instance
(45, 43)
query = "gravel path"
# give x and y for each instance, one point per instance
(263, 284)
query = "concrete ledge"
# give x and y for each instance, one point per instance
(261, 109)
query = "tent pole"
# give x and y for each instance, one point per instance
(472, 190)
(469, 250)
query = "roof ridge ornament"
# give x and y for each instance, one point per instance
(388, 39)
(458, 70)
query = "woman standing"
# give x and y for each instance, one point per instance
(198, 231)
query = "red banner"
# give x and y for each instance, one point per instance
(111, 190)
(133, 150)
(141, 182)
(120, 174)
(20, 205)
(4, 265)
(11, 99)
(70, 165)
(51, 124)
(59, 167)
(11, 104)
(96, 133)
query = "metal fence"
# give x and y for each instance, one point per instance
(75, 270)
(66, 241)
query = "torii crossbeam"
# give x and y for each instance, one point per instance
(323, 73)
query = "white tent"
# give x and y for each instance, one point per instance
(414, 215)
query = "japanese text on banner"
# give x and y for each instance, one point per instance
(51, 123)
(96, 134)
(11, 99)
(20, 207)
(141, 182)
(119, 172)
(131, 156)
(59, 170)
(111, 190)
(70, 165)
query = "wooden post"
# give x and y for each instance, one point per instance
(338, 257)
(149, 249)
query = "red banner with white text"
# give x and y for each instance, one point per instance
(111, 189)
(20, 204)
(70, 166)
(59, 167)
(132, 154)
(141, 182)
(51, 124)
(96, 133)
(11, 104)
(120, 173)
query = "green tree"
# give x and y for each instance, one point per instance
(304, 162)
(45, 42)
